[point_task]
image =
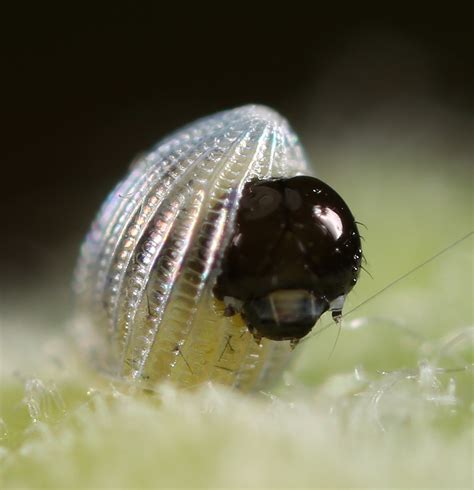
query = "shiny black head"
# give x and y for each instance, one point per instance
(295, 253)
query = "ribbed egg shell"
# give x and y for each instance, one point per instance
(146, 310)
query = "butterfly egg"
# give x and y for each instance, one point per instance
(157, 296)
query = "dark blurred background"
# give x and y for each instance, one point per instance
(87, 90)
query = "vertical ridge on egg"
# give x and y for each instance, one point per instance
(144, 281)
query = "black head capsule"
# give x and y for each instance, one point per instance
(295, 253)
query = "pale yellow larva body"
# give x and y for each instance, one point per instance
(145, 307)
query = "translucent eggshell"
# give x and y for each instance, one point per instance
(145, 308)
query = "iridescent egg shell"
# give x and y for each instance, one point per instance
(152, 282)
